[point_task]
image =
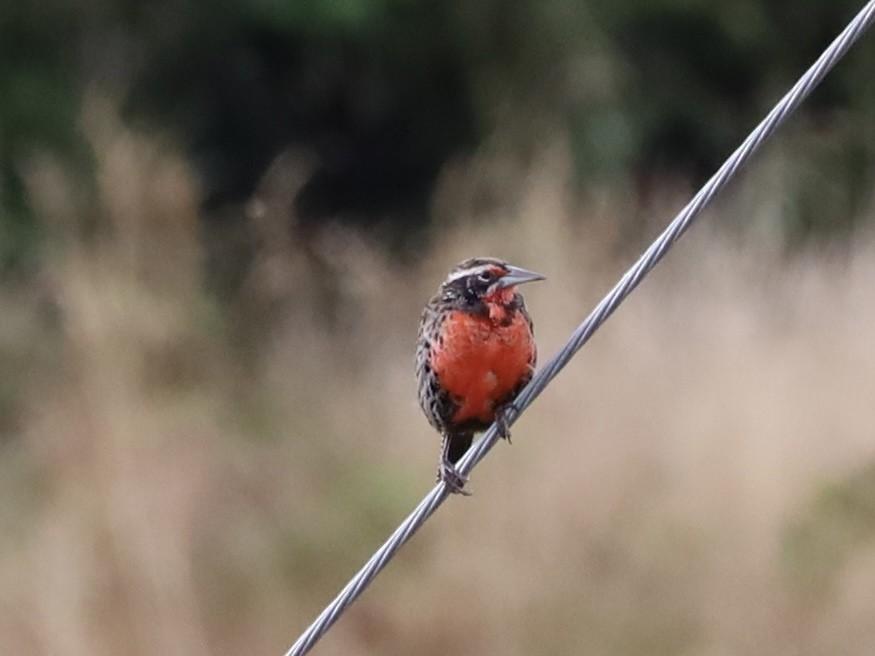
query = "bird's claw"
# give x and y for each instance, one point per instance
(502, 420)
(452, 478)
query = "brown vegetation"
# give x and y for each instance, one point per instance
(695, 482)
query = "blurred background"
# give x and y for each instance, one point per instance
(219, 223)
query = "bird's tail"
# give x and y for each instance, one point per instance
(456, 444)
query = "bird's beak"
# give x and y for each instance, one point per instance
(517, 276)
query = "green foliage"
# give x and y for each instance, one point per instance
(839, 522)
(386, 92)
(38, 105)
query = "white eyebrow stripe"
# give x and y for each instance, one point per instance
(470, 271)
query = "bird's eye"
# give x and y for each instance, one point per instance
(486, 277)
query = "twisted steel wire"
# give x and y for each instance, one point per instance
(630, 280)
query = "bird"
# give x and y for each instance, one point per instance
(475, 351)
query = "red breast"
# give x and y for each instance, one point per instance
(481, 360)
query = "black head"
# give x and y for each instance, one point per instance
(475, 281)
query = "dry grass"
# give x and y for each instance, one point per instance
(697, 481)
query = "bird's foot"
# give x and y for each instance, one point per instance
(503, 417)
(452, 478)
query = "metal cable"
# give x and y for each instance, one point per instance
(596, 318)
